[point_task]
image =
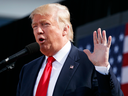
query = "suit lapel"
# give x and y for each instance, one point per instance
(67, 72)
(33, 75)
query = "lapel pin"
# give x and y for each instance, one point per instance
(71, 66)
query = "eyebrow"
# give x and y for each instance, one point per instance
(42, 20)
(33, 24)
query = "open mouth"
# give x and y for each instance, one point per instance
(41, 39)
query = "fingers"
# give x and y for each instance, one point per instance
(109, 41)
(97, 39)
(104, 40)
(101, 38)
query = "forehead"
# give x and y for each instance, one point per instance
(38, 18)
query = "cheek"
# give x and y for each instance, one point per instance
(54, 33)
(34, 32)
(35, 35)
(56, 36)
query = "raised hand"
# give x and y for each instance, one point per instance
(101, 49)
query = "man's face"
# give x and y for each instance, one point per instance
(48, 34)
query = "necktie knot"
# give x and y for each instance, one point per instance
(51, 59)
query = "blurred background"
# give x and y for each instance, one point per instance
(86, 17)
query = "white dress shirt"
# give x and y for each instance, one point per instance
(57, 66)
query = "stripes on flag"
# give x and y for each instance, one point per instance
(124, 73)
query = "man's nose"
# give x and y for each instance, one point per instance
(39, 30)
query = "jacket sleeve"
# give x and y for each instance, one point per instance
(108, 85)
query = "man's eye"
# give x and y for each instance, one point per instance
(46, 23)
(34, 26)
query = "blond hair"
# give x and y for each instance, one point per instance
(63, 15)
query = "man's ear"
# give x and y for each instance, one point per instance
(65, 30)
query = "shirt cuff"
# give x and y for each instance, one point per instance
(103, 70)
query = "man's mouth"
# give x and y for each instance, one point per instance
(41, 39)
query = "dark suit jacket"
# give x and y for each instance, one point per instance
(82, 80)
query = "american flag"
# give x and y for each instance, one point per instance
(118, 55)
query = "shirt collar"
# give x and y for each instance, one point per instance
(62, 54)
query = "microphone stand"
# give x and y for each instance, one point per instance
(8, 67)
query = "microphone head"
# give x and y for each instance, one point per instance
(33, 48)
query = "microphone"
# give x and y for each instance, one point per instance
(29, 49)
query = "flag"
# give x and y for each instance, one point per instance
(118, 54)
(124, 74)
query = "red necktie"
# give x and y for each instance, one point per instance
(44, 81)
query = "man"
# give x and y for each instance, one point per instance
(74, 73)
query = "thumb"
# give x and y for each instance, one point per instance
(86, 51)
